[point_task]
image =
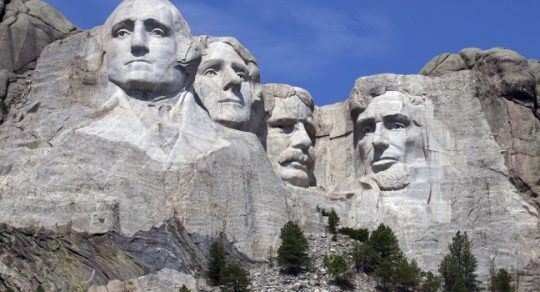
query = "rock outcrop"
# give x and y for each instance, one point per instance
(26, 27)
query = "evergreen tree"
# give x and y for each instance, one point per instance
(292, 254)
(365, 257)
(407, 274)
(458, 267)
(357, 234)
(339, 268)
(216, 263)
(431, 282)
(385, 243)
(333, 221)
(501, 282)
(234, 278)
(184, 289)
(40, 289)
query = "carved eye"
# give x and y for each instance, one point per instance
(210, 73)
(368, 129)
(397, 125)
(158, 32)
(122, 33)
(242, 75)
(286, 129)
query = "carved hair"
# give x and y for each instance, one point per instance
(272, 91)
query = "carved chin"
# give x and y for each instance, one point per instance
(296, 177)
(394, 178)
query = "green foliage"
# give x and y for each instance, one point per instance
(500, 282)
(339, 268)
(40, 289)
(407, 274)
(216, 263)
(431, 282)
(385, 244)
(333, 221)
(10, 290)
(292, 254)
(184, 289)
(361, 234)
(365, 257)
(458, 267)
(234, 278)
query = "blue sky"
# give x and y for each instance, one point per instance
(324, 45)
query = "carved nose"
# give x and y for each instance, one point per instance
(300, 138)
(139, 43)
(379, 140)
(231, 81)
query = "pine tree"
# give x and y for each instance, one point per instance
(458, 267)
(407, 274)
(184, 289)
(365, 257)
(216, 263)
(333, 221)
(292, 254)
(234, 278)
(431, 282)
(385, 243)
(501, 282)
(339, 268)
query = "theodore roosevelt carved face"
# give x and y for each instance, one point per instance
(389, 139)
(290, 133)
(143, 40)
(226, 80)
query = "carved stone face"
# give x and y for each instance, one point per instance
(290, 140)
(388, 140)
(142, 52)
(223, 84)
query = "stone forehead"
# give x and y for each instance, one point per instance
(140, 7)
(387, 103)
(220, 50)
(273, 91)
(290, 109)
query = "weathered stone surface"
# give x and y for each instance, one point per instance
(506, 85)
(26, 27)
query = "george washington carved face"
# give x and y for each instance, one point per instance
(143, 42)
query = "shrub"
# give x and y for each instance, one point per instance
(501, 282)
(292, 254)
(216, 263)
(356, 234)
(458, 267)
(234, 278)
(333, 221)
(339, 268)
(184, 289)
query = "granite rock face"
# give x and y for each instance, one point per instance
(26, 27)
(119, 165)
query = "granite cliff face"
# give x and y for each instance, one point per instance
(127, 151)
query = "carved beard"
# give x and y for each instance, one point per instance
(394, 178)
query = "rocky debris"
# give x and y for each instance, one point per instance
(269, 278)
(26, 27)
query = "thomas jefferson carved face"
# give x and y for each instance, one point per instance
(224, 86)
(142, 50)
(290, 139)
(388, 139)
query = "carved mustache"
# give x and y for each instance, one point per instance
(295, 155)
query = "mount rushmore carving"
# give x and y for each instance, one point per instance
(138, 130)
